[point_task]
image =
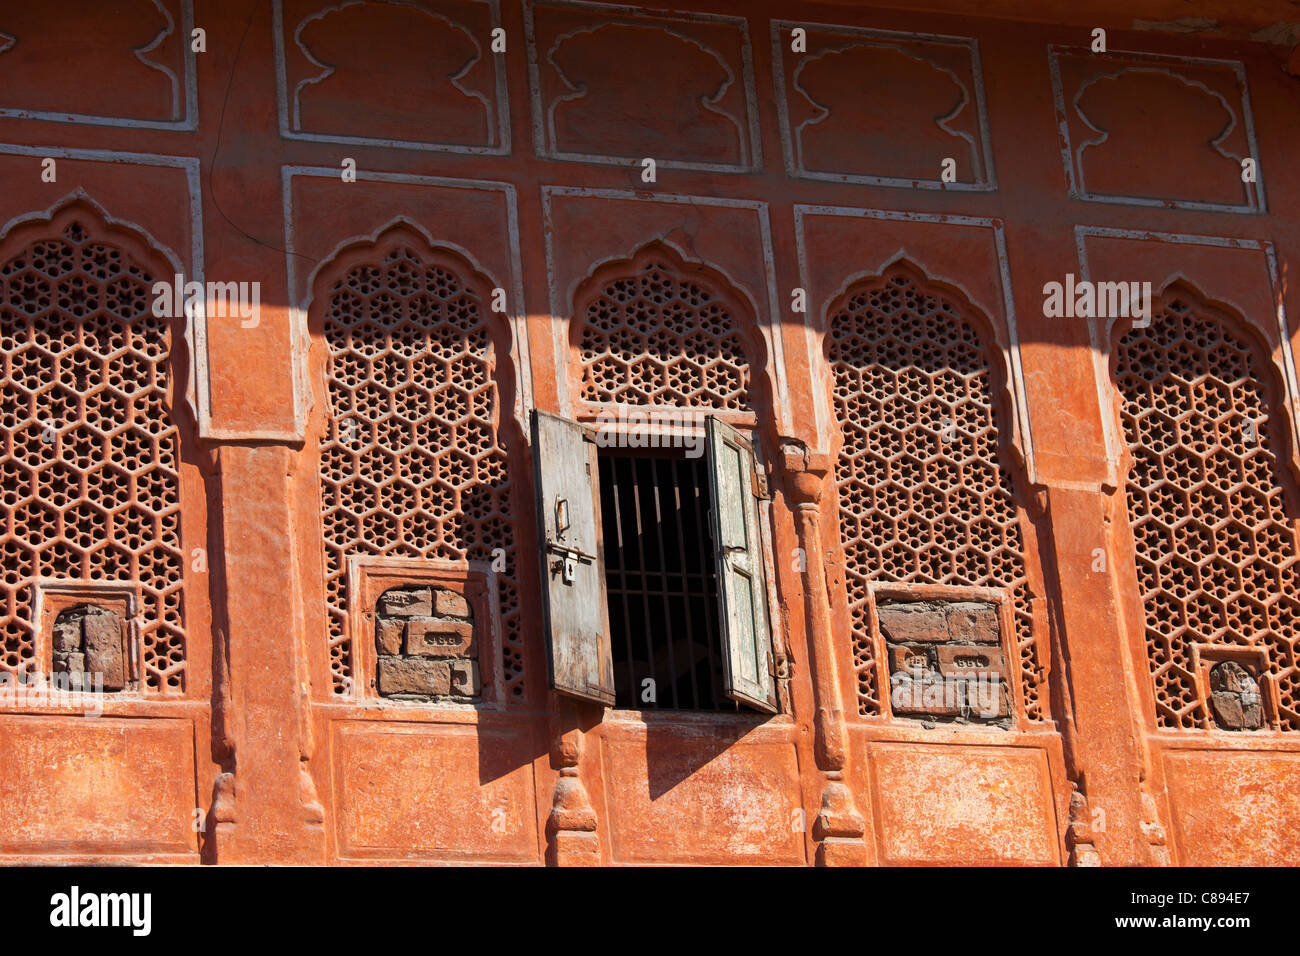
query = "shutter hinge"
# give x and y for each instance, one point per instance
(778, 666)
(760, 483)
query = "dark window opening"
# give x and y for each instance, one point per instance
(662, 583)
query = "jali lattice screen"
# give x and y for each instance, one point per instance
(923, 496)
(654, 335)
(1216, 551)
(412, 464)
(90, 465)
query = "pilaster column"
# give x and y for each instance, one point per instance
(571, 826)
(839, 829)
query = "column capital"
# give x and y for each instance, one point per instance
(804, 470)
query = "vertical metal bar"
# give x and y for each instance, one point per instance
(652, 464)
(675, 466)
(622, 574)
(645, 602)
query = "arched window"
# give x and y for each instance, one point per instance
(658, 597)
(924, 496)
(1207, 502)
(414, 461)
(91, 459)
(653, 331)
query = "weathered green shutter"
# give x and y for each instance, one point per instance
(573, 559)
(742, 588)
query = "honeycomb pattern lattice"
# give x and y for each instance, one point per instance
(1216, 552)
(923, 497)
(653, 336)
(412, 464)
(90, 470)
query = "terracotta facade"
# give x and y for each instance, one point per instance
(302, 538)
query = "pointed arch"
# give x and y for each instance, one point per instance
(926, 487)
(656, 328)
(1210, 501)
(415, 435)
(92, 461)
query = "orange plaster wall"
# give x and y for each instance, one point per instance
(231, 170)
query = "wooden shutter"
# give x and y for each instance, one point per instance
(568, 509)
(742, 587)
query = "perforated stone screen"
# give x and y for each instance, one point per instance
(1216, 551)
(653, 335)
(90, 470)
(923, 497)
(412, 464)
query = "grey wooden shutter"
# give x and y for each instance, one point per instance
(742, 588)
(573, 559)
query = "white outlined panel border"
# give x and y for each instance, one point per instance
(197, 395)
(821, 373)
(561, 299)
(283, 100)
(299, 304)
(794, 164)
(185, 90)
(1100, 338)
(544, 133)
(1074, 175)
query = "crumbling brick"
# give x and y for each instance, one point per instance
(434, 637)
(917, 621)
(970, 622)
(1235, 699)
(957, 659)
(987, 699)
(451, 604)
(66, 635)
(426, 643)
(73, 663)
(412, 602)
(946, 660)
(88, 639)
(930, 696)
(414, 675)
(389, 632)
(465, 678)
(102, 640)
(908, 660)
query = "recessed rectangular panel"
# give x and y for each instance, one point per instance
(434, 792)
(962, 805)
(682, 798)
(80, 785)
(1234, 809)
(601, 94)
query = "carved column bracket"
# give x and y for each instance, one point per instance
(839, 829)
(571, 825)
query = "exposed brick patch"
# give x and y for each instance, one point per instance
(1235, 699)
(414, 676)
(913, 621)
(89, 640)
(954, 659)
(946, 661)
(427, 645)
(972, 623)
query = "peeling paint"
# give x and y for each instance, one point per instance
(1279, 34)
(1181, 25)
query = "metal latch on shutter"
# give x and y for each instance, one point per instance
(567, 566)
